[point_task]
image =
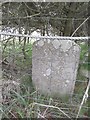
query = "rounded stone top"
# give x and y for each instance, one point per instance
(64, 45)
(41, 43)
(67, 44)
(56, 44)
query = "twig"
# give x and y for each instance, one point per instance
(84, 98)
(12, 114)
(50, 106)
(8, 38)
(40, 115)
(79, 26)
(26, 17)
(47, 107)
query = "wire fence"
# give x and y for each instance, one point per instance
(46, 37)
(46, 18)
(17, 65)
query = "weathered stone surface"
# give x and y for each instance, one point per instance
(54, 66)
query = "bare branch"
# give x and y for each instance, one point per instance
(84, 98)
(80, 26)
(50, 106)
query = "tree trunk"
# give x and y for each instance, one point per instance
(68, 24)
(24, 44)
(20, 32)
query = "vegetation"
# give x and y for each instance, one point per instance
(50, 18)
(20, 98)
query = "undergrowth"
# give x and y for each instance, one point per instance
(26, 101)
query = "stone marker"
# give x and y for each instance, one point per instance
(54, 66)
